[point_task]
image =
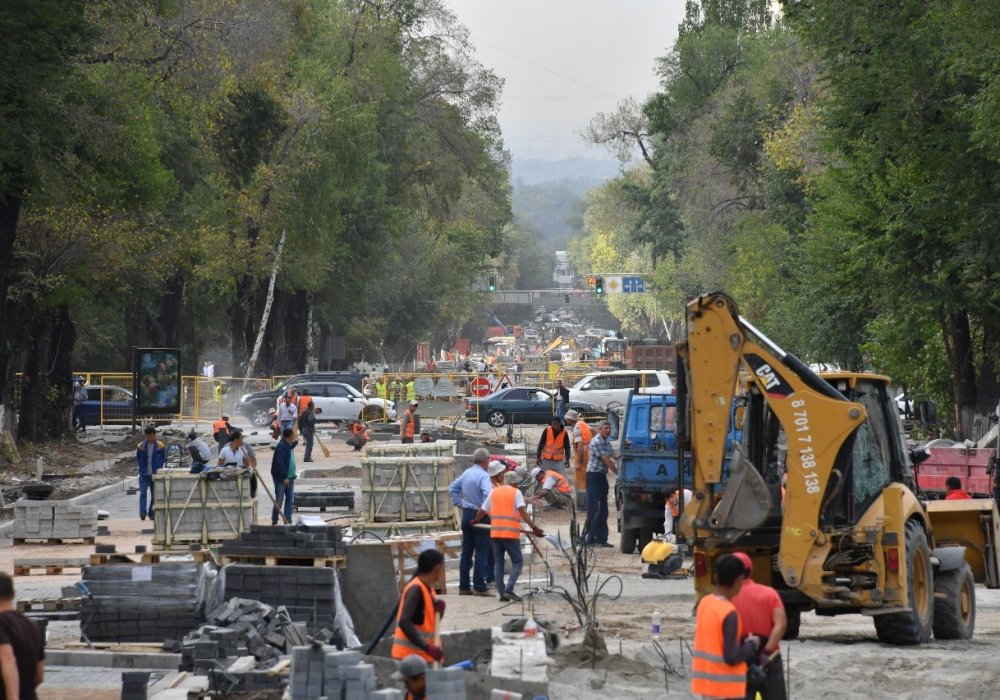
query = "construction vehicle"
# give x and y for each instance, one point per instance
(846, 533)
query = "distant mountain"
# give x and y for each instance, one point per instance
(584, 173)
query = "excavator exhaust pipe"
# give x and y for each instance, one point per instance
(746, 502)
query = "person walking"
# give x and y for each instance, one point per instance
(409, 424)
(307, 429)
(283, 473)
(955, 490)
(719, 663)
(554, 489)
(602, 460)
(562, 398)
(288, 412)
(79, 414)
(553, 448)
(418, 611)
(150, 455)
(763, 615)
(468, 492)
(506, 508)
(22, 648)
(581, 437)
(201, 453)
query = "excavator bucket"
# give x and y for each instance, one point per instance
(746, 502)
(975, 525)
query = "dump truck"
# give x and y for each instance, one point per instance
(820, 490)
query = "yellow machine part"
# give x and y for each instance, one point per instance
(657, 551)
(973, 524)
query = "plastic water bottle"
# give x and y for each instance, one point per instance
(656, 624)
(530, 628)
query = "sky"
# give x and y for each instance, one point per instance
(565, 60)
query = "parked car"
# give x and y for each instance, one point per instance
(518, 405)
(355, 379)
(608, 389)
(337, 401)
(107, 403)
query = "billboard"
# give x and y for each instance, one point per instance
(157, 381)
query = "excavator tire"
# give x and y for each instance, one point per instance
(955, 604)
(794, 621)
(913, 626)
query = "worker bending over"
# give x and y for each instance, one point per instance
(721, 652)
(672, 511)
(762, 614)
(416, 619)
(555, 489)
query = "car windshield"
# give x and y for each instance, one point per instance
(352, 391)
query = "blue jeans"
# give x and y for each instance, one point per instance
(283, 495)
(596, 526)
(309, 447)
(560, 408)
(475, 544)
(513, 549)
(287, 424)
(145, 484)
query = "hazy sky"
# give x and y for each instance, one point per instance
(566, 60)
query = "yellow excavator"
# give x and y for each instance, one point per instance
(819, 490)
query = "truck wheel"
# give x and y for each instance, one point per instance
(794, 621)
(913, 626)
(628, 541)
(955, 604)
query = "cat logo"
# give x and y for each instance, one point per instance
(774, 384)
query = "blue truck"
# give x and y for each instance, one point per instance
(648, 468)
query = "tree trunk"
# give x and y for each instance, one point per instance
(10, 333)
(33, 386)
(58, 414)
(267, 306)
(962, 369)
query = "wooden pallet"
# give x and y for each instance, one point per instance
(318, 562)
(54, 540)
(200, 557)
(48, 605)
(50, 566)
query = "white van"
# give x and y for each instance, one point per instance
(610, 389)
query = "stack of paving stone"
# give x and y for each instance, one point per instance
(323, 498)
(290, 541)
(446, 684)
(135, 685)
(308, 593)
(196, 508)
(334, 675)
(141, 602)
(45, 520)
(405, 488)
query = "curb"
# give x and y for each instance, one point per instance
(111, 659)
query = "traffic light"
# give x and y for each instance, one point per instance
(599, 285)
(492, 283)
(567, 298)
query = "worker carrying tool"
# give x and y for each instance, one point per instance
(721, 652)
(762, 614)
(419, 611)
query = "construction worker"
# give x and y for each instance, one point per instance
(582, 435)
(409, 424)
(553, 448)
(719, 664)
(955, 490)
(303, 401)
(413, 673)
(359, 435)
(221, 430)
(762, 614)
(468, 493)
(555, 489)
(150, 456)
(506, 507)
(411, 390)
(672, 511)
(419, 608)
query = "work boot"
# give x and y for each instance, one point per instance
(465, 591)
(482, 594)
(142, 516)
(512, 596)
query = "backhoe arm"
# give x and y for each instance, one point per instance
(816, 418)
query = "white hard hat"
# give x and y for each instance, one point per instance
(535, 472)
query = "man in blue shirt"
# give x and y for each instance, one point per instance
(150, 455)
(283, 473)
(468, 492)
(602, 460)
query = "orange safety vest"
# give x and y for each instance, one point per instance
(561, 485)
(411, 425)
(401, 644)
(219, 425)
(505, 520)
(586, 434)
(304, 400)
(711, 675)
(553, 450)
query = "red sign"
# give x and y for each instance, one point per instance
(480, 386)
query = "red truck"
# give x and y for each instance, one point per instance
(973, 465)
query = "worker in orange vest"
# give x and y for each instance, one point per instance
(409, 424)
(955, 490)
(221, 430)
(553, 448)
(303, 400)
(555, 489)
(359, 435)
(582, 435)
(719, 664)
(506, 507)
(419, 610)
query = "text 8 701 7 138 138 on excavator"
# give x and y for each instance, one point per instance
(848, 533)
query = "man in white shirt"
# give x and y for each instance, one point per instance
(288, 412)
(233, 454)
(672, 511)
